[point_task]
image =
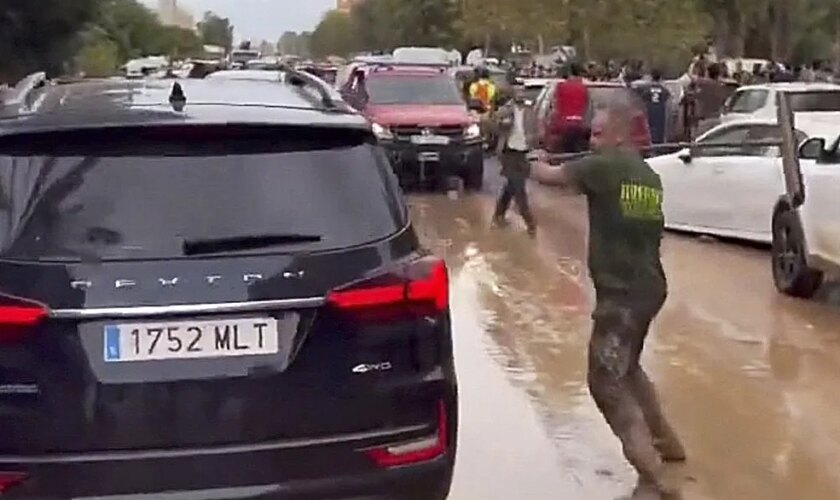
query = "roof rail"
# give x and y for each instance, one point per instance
(22, 89)
(299, 78)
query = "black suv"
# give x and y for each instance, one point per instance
(213, 290)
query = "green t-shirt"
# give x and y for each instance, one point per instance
(625, 221)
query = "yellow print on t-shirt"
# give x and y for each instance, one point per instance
(641, 202)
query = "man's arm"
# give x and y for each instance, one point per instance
(558, 176)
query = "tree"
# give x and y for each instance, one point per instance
(215, 30)
(288, 42)
(177, 43)
(136, 31)
(334, 35)
(426, 22)
(40, 36)
(98, 59)
(133, 27)
(374, 24)
(266, 48)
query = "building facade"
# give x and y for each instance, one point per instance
(346, 6)
(171, 14)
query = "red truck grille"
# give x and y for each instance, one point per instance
(410, 130)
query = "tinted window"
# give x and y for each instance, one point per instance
(815, 101)
(601, 97)
(531, 93)
(142, 200)
(413, 90)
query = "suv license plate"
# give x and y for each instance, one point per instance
(436, 140)
(190, 339)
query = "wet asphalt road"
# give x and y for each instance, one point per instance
(750, 378)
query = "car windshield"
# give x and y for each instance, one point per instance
(531, 93)
(413, 90)
(812, 102)
(112, 200)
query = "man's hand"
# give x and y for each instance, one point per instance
(550, 175)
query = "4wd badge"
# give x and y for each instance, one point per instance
(376, 367)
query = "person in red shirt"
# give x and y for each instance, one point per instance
(570, 124)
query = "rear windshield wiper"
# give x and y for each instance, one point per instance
(246, 242)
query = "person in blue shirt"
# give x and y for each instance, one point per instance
(656, 97)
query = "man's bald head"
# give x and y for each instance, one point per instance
(612, 126)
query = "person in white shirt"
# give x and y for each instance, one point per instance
(513, 147)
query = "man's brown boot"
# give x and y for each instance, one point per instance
(664, 438)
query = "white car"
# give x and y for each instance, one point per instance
(737, 192)
(811, 101)
(247, 74)
(806, 239)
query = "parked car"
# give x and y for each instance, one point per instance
(806, 240)
(265, 75)
(423, 55)
(727, 191)
(421, 119)
(532, 88)
(227, 301)
(544, 125)
(812, 101)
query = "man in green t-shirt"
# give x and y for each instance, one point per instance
(625, 225)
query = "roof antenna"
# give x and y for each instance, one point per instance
(177, 98)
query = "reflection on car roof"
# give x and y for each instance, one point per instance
(105, 103)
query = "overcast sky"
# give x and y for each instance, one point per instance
(261, 19)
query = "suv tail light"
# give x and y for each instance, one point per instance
(9, 480)
(17, 317)
(422, 288)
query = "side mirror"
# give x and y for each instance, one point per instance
(475, 105)
(685, 156)
(812, 149)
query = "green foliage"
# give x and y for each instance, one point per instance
(40, 35)
(99, 58)
(215, 30)
(335, 35)
(661, 31)
(292, 43)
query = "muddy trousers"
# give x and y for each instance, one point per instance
(622, 390)
(515, 168)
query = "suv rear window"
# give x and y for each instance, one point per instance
(141, 194)
(602, 97)
(406, 89)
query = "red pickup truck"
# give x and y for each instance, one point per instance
(422, 121)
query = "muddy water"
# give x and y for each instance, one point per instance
(750, 379)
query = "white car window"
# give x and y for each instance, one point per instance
(736, 134)
(748, 101)
(544, 100)
(769, 133)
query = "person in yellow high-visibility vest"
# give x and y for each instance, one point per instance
(484, 90)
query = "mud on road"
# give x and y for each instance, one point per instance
(750, 378)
